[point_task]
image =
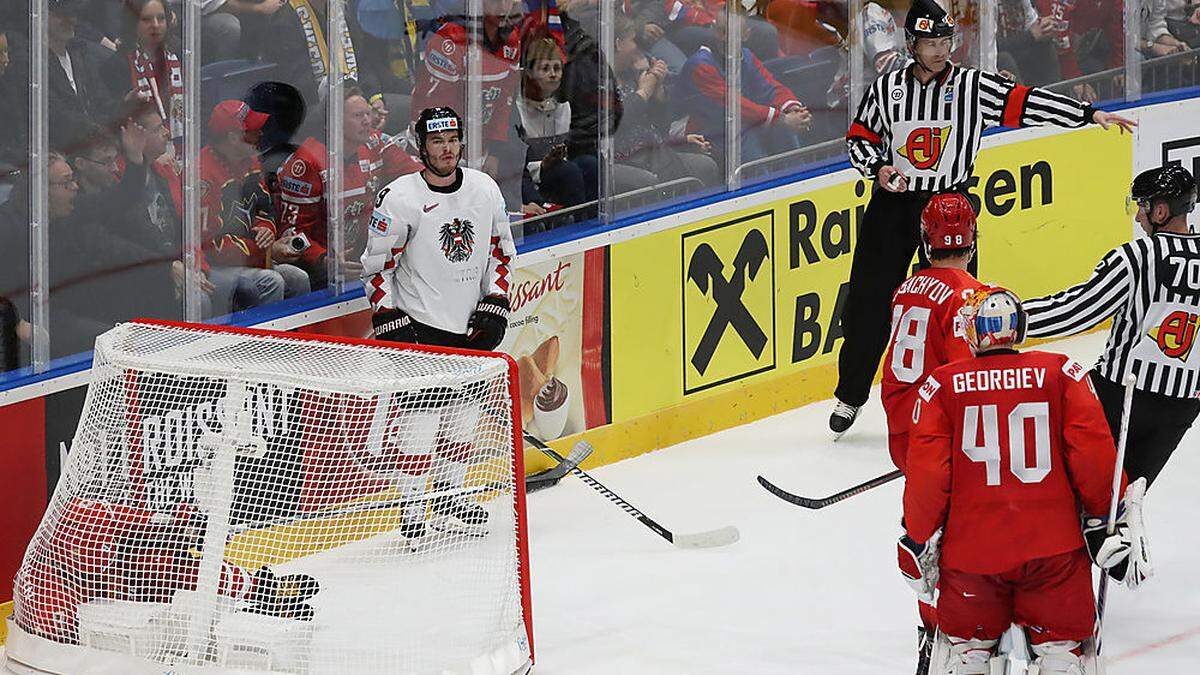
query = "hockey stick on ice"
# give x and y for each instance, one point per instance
(811, 503)
(551, 476)
(710, 539)
(1122, 437)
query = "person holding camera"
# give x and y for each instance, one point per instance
(237, 245)
(370, 160)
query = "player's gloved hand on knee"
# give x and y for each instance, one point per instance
(486, 327)
(919, 565)
(1124, 554)
(393, 325)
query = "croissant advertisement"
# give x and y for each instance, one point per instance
(545, 337)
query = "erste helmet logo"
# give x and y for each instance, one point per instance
(924, 24)
(433, 126)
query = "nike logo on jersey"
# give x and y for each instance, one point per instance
(429, 207)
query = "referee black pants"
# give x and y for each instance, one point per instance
(887, 239)
(1156, 425)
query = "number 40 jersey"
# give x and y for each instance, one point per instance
(1006, 448)
(926, 333)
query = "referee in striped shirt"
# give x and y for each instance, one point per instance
(917, 133)
(1151, 289)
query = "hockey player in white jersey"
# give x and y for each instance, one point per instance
(436, 265)
(436, 271)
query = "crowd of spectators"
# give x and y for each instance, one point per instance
(116, 121)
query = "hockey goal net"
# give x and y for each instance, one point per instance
(259, 502)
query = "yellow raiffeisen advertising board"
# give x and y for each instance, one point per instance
(727, 304)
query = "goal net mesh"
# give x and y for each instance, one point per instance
(264, 502)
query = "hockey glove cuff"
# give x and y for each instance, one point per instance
(919, 565)
(1125, 553)
(486, 327)
(393, 325)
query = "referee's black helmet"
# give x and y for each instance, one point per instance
(926, 19)
(1171, 183)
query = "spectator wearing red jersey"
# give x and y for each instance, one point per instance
(1089, 36)
(372, 160)
(442, 82)
(238, 248)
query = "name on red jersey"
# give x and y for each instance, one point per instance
(935, 289)
(999, 379)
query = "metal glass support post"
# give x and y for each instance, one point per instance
(192, 241)
(733, 98)
(1133, 57)
(605, 111)
(855, 55)
(987, 35)
(335, 145)
(474, 115)
(39, 185)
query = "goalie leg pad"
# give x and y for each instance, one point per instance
(1060, 657)
(959, 656)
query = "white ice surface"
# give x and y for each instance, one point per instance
(803, 591)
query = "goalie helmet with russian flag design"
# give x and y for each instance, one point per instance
(994, 319)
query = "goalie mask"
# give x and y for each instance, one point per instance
(994, 319)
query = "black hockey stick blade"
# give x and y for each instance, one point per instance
(551, 476)
(708, 539)
(813, 503)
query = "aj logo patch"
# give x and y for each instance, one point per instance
(924, 146)
(1176, 334)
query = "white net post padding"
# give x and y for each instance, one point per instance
(256, 502)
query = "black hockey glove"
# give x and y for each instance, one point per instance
(486, 328)
(393, 325)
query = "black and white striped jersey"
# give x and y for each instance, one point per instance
(930, 132)
(1151, 289)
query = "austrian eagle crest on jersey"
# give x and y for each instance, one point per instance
(458, 240)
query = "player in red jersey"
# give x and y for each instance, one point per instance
(107, 550)
(1006, 448)
(926, 329)
(927, 332)
(372, 160)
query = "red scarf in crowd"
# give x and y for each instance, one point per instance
(162, 80)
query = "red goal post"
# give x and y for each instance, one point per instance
(253, 501)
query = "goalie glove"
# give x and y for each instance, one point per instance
(919, 565)
(486, 327)
(393, 325)
(1124, 555)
